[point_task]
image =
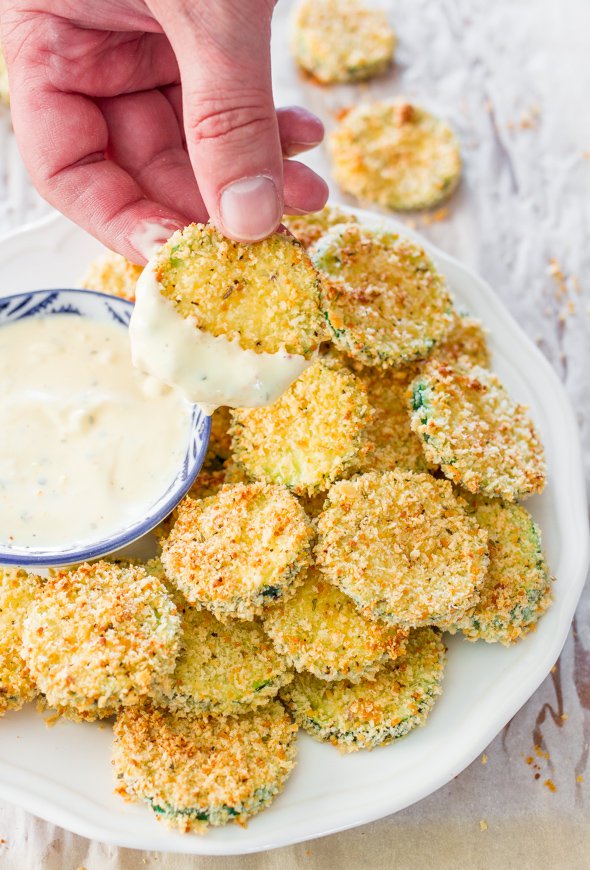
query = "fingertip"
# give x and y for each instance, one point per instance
(250, 209)
(305, 190)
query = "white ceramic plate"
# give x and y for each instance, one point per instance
(63, 773)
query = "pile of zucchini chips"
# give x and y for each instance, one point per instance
(330, 540)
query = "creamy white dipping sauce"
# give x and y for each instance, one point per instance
(87, 442)
(210, 371)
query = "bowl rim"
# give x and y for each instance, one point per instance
(23, 556)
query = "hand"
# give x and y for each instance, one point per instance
(131, 114)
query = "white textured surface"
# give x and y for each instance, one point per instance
(525, 199)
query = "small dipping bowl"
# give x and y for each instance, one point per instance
(106, 309)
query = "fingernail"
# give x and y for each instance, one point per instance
(250, 209)
(295, 148)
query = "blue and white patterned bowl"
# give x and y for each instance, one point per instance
(98, 306)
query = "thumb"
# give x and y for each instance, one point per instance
(232, 131)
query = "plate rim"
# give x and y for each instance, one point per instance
(577, 563)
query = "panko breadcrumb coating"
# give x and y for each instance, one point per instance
(375, 712)
(201, 770)
(4, 90)
(100, 637)
(223, 667)
(240, 550)
(395, 154)
(341, 40)
(219, 449)
(393, 444)
(517, 587)
(308, 228)
(17, 592)
(311, 436)
(465, 343)
(113, 274)
(402, 546)
(384, 301)
(320, 630)
(263, 294)
(482, 439)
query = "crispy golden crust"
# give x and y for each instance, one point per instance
(395, 154)
(320, 630)
(308, 228)
(196, 771)
(482, 439)
(383, 299)
(375, 712)
(113, 274)
(239, 551)
(311, 436)
(100, 637)
(517, 587)
(223, 667)
(264, 294)
(402, 546)
(341, 40)
(17, 592)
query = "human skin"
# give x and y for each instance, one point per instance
(140, 113)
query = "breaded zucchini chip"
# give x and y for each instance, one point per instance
(395, 154)
(4, 90)
(383, 299)
(236, 552)
(482, 439)
(320, 630)
(308, 228)
(517, 587)
(200, 770)
(375, 712)
(264, 294)
(219, 449)
(17, 592)
(403, 547)
(392, 442)
(223, 667)
(466, 343)
(101, 637)
(113, 274)
(311, 436)
(341, 40)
